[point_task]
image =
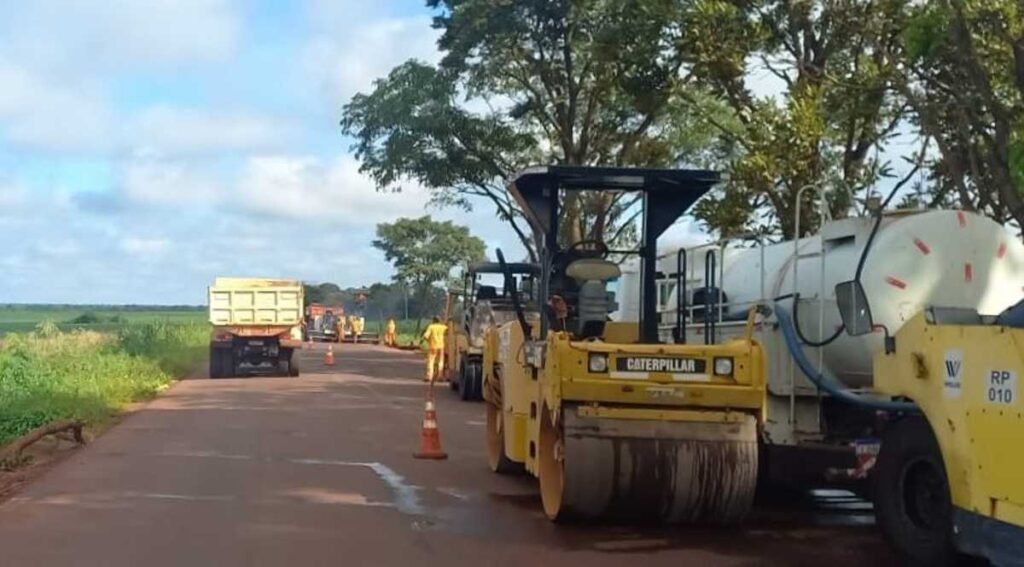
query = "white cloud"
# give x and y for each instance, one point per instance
(40, 113)
(61, 34)
(12, 196)
(150, 179)
(168, 129)
(304, 187)
(342, 64)
(138, 246)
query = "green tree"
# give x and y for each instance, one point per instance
(580, 82)
(966, 84)
(837, 66)
(424, 252)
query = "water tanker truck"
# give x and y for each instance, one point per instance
(257, 326)
(836, 396)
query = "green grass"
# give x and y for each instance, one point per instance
(23, 319)
(50, 374)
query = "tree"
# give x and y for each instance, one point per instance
(581, 82)
(424, 252)
(836, 64)
(966, 84)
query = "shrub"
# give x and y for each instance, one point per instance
(49, 375)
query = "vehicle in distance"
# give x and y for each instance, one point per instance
(257, 326)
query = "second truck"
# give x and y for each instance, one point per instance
(257, 326)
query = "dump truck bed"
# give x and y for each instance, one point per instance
(240, 302)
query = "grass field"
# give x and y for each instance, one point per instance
(22, 319)
(61, 370)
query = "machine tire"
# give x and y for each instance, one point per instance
(912, 500)
(293, 364)
(472, 381)
(456, 383)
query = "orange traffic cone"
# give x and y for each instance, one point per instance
(329, 357)
(430, 437)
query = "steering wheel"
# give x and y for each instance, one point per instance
(590, 248)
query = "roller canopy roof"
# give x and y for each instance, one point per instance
(668, 192)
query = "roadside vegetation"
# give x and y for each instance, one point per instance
(49, 374)
(103, 318)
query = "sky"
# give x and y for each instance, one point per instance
(147, 147)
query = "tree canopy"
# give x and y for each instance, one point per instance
(781, 95)
(580, 82)
(424, 252)
(966, 84)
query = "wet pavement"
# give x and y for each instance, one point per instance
(317, 470)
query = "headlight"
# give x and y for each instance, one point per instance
(598, 363)
(723, 367)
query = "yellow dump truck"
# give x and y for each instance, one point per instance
(257, 326)
(949, 477)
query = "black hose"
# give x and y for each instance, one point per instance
(856, 277)
(800, 333)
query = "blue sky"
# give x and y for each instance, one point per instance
(147, 146)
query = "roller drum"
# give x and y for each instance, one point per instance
(672, 471)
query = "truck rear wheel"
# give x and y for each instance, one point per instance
(222, 364)
(293, 363)
(911, 495)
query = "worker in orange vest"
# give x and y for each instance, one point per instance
(389, 333)
(434, 337)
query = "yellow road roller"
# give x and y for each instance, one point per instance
(612, 421)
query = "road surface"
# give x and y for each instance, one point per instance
(317, 470)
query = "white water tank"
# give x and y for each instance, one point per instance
(937, 257)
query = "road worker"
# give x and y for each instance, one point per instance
(434, 337)
(357, 328)
(389, 333)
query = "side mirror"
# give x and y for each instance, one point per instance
(854, 308)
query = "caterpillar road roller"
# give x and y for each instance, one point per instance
(610, 419)
(485, 305)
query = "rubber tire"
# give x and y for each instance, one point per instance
(215, 371)
(472, 381)
(222, 364)
(293, 364)
(910, 454)
(456, 383)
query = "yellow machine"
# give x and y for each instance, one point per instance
(950, 475)
(611, 420)
(484, 306)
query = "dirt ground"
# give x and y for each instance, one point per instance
(317, 470)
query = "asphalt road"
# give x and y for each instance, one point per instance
(317, 470)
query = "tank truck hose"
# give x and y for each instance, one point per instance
(827, 383)
(856, 276)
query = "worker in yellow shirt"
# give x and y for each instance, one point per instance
(389, 333)
(434, 337)
(357, 328)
